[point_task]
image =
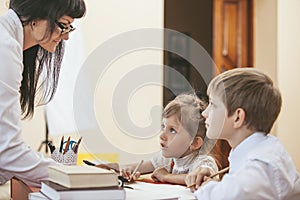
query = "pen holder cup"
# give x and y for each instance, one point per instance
(69, 158)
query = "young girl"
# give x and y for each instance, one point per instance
(184, 146)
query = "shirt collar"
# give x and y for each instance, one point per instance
(238, 155)
(181, 162)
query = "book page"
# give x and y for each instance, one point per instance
(142, 190)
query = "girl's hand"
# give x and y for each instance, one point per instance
(127, 173)
(160, 174)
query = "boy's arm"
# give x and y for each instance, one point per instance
(146, 167)
(250, 182)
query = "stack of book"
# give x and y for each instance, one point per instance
(81, 182)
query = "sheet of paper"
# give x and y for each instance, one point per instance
(151, 191)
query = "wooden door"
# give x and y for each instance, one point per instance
(232, 34)
(232, 43)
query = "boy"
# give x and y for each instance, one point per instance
(243, 107)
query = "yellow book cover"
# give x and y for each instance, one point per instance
(73, 176)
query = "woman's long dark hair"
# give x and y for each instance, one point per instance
(36, 60)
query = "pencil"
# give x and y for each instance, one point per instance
(67, 145)
(219, 172)
(136, 169)
(77, 145)
(211, 176)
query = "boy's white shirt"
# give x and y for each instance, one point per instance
(260, 168)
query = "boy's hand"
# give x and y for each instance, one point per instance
(206, 179)
(160, 174)
(196, 178)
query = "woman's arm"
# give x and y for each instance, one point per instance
(16, 158)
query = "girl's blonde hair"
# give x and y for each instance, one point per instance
(188, 109)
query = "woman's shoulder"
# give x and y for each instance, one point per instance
(11, 31)
(11, 56)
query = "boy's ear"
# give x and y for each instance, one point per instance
(197, 143)
(239, 118)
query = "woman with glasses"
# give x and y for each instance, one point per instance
(31, 51)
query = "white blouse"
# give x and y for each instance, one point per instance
(185, 164)
(260, 168)
(16, 158)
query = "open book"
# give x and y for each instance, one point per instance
(82, 176)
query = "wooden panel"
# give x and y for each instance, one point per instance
(20, 190)
(232, 34)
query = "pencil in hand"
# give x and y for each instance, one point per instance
(135, 170)
(219, 172)
(212, 175)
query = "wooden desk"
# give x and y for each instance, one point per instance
(20, 190)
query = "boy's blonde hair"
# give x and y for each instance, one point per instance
(251, 90)
(188, 109)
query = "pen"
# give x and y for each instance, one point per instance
(61, 144)
(77, 145)
(135, 170)
(89, 163)
(104, 166)
(67, 145)
(211, 176)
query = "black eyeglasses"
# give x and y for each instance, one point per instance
(64, 29)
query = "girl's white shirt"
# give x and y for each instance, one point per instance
(185, 164)
(16, 158)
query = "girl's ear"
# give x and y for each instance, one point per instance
(239, 118)
(197, 143)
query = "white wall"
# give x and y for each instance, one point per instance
(104, 20)
(288, 75)
(277, 54)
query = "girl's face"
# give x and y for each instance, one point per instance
(174, 139)
(50, 43)
(217, 122)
